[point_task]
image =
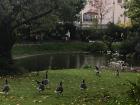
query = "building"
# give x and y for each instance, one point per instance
(104, 11)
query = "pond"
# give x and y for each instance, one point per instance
(65, 61)
(61, 61)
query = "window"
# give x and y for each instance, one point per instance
(87, 17)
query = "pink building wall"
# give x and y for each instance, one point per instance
(113, 11)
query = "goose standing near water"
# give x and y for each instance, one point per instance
(6, 87)
(59, 89)
(83, 85)
(46, 80)
(97, 71)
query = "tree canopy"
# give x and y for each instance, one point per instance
(133, 10)
(18, 12)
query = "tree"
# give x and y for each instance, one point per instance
(69, 9)
(133, 11)
(13, 14)
(112, 34)
(17, 13)
(68, 13)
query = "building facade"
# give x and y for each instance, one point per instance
(103, 11)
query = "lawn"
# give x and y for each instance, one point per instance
(105, 90)
(31, 49)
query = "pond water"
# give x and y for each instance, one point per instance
(61, 61)
(64, 61)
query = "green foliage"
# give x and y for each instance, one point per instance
(134, 91)
(69, 9)
(97, 47)
(18, 11)
(28, 12)
(133, 10)
(129, 45)
(66, 12)
(87, 66)
(116, 46)
(91, 33)
(47, 23)
(137, 48)
(113, 33)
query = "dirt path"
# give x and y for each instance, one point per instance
(31, 55)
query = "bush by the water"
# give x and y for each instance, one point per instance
(87, 66)
(91, 34)
(97, 46)
(130, 45)
(116, 46)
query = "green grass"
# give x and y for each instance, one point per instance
(29, 49)
(104, 90)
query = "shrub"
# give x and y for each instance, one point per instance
(134, 91)
(97, 47)
(127, 47)
(116, 46)
(92, 34)
(87, 66)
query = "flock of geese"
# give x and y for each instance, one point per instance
(42, 84)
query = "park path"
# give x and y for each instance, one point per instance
(32, 55)
(26, 56)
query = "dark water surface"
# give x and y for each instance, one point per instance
(61, 61)
(65, 61)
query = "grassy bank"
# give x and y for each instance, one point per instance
(29, 49)
(104, 90)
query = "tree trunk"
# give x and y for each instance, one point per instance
(101, 20)
(7, 40)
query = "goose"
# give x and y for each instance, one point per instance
(83, 85)
(46, 80)
(59, 89)
(6, 87)
(40, 86)
(97, 71)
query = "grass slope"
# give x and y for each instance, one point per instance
(29, 49)
(104, 90)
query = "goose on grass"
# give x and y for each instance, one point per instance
(40, 86)
(59, 90)
(6, 87)
(83, 85)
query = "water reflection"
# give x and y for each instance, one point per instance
(61, 61)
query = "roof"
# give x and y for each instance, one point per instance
(91, 11)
